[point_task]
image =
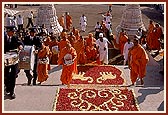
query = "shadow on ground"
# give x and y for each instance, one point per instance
(155, 15)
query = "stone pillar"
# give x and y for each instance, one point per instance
(47, 15)
(131, 20)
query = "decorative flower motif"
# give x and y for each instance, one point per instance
(108, 75)
(95, 100)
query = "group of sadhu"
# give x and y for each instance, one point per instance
(74, 49)
(135, 53)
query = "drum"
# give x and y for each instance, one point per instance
(11, 58)
(27, 58)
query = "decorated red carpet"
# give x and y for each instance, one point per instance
(106, 75)
(96, 88)
(95, 100)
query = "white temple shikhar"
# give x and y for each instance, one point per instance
(131, 20)
(47, 15)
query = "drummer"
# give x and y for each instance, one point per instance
(31, 40)
(11, 42)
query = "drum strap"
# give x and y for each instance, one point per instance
(43, 60)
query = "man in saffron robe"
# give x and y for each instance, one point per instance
(91, 51)
(137, 61)
(63, 40)
(67, 21)
(156, 38)
(123, 38)
(43, 63)
(150, 34)
(76, 33)
(52, 42)
(61, 21)
(67, 58)
(79, 46)
(72, 39)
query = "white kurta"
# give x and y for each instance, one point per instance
(103, 53)
(83, 23)
(126, 50)
(19, 20)
(108, 18)
(9, 21)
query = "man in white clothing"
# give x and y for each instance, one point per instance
(9, 20)
(30, 19)
(97, 30)
(108, 17)
(14, 22)
(20, 22)
(102, 45)
(127, 46)
(83, 22)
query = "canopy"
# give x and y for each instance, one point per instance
(10, 12)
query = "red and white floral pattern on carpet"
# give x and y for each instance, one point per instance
(95, 100)
(107, 75)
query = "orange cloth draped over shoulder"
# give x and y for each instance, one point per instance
(150, 35)
(63, 43)
(68, 70)
(76, 33)
(116, 46)
(61, 21)
(122, 40)
(49, 42)
(138, 59)
(42, 68)
(54, 57)
(72, 39)
(79, 46)
(68, 21)
(156, 36)
(91, 51)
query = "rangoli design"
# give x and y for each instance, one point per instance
(95, 100)
(108, 75)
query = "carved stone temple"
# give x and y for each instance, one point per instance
(47, 15)
(131, 20)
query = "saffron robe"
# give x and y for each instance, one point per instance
(42, 68)
(138, 59)
(122, 40)
(91, 51)
(80, 48)
(61, 21)
(68, 70)
(62, 43)
(156, 37)
(68, 22)
(150, 35)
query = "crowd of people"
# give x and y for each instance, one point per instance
(70, 48)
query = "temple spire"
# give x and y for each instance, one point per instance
(47, 15)
(131, 20)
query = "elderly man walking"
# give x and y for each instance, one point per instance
(102, 45)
